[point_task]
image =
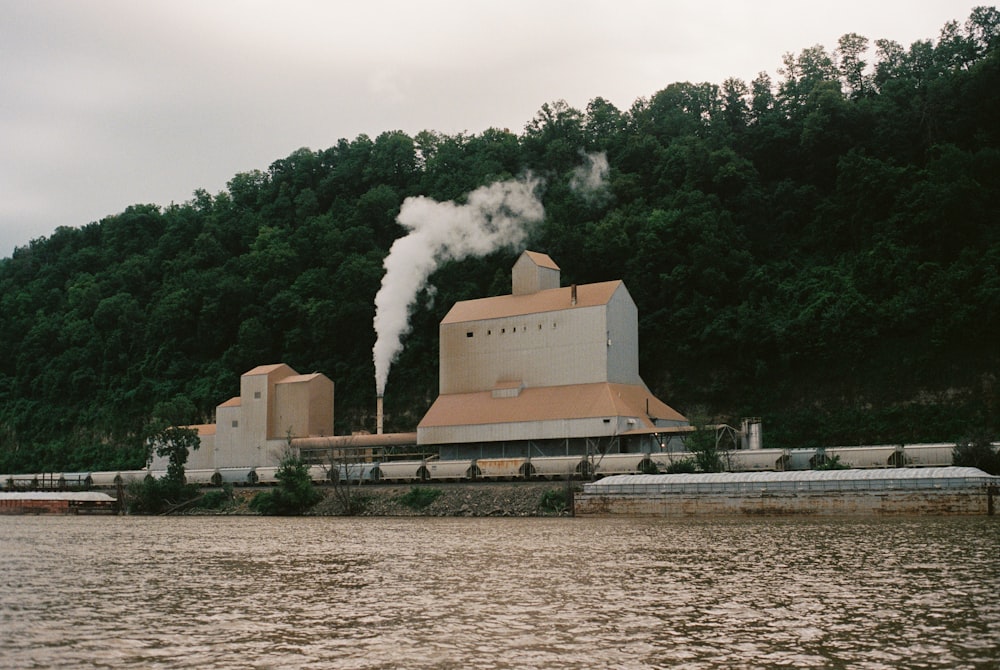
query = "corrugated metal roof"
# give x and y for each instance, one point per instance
(721, 482)
(81, 496)
(849, 474)
(549, 300)
(576, 401)
(366, 440)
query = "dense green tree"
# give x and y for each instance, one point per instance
(820, 249)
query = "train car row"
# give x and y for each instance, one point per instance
(550, 467)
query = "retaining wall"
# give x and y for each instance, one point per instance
(827, 503)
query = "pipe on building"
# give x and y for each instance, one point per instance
(378, 415)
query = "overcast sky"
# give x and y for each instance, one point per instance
(107, 103)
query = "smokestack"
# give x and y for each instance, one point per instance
(379, 414)
(572, 294)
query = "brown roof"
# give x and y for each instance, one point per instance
(577, 401)
(541, 260)
(299, 378)
(203, 428)
(232, 402)
(550, 300)
(266, 369)
(343, 441)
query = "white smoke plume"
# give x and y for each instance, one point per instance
(591, 178)
(494, 217)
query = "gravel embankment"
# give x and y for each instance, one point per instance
(454, 499)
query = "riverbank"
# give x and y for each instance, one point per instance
(471, 499)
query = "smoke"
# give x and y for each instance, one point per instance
(493, 217)
(590, 179)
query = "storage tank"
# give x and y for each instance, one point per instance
(753, 433)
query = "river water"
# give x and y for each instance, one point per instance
(251, 592)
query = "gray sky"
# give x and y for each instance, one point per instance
(108, 103)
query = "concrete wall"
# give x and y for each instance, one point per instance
(828, 503)
(546, 349)
(622, 329)
(303, 406)
(230, 438)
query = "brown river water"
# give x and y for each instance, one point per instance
(327, 592)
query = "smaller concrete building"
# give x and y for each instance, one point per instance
(275, 405)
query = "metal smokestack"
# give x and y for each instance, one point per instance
(379, 414)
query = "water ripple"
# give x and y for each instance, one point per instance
(498, 593)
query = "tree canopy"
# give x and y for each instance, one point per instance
(821, 250)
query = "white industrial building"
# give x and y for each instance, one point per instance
(545, 371)
(275, 405)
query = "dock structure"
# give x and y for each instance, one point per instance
(889, 491)
(57, 502)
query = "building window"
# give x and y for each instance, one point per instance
(469, 334)
(236, 424)
(256, 395)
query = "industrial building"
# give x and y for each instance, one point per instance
(545, 371)
(254, 429)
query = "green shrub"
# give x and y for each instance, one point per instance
(683, 466)
(831, 463)
(294, 494)
(556, 500)
(156, 496)
(419, 497)
(217, 499)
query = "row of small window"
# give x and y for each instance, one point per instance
(503, 331)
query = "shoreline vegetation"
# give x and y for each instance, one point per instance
(481, 499)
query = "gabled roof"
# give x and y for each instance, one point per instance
(266, 369)
(550, 300)
(576, 401)
(232, 402)
(541, 260)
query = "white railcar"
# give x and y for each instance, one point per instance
(929, 455)
(319, 474)
(500, 468)
(199, 477)
(400, 471)
(457, 470)
(555, 467)
(618, 464)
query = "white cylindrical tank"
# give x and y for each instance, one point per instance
(753, 433)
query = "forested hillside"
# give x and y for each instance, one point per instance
(821, 249)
